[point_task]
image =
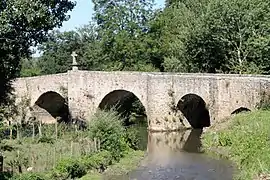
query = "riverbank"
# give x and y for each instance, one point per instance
(244, 139)
(126, 164)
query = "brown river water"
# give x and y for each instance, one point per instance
(177, 155)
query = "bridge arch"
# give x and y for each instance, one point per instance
(125, 102)
(51, 103)
(240, 110)
(195, 111)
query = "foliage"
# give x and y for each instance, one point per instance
(240, 29)
(213, 36)
(30, 176)
(186, 36)
(98, 161)
(24, 24)
(69, 168)
(71, 154)
(122, 26)
(46, 139)
(42, 156)
(244, 141)
(56, 57)
(29, 67)
(118, 41)
(9, 109)
(108, 128)
(137, 135)
(5, 175)
(129, 162)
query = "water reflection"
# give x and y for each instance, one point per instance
(193, 143)
(189, 140)
(178, 155)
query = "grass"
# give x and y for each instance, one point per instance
(245, 142)
(42, 153)
(43, 156)
(104, 149)
(129, 162)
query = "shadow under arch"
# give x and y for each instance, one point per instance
(55, 105)
(124, 102)
(240, 110)
(195, 111)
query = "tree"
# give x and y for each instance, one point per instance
(122, 29)
(24, 24)
(169, 33)
(227, 36)
(56, 56)
(242, 28)
(29, 67)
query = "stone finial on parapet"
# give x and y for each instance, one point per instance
(74, 62)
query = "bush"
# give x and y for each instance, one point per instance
(69, 168)
(30, 176)
(108, 128)
(99, 161)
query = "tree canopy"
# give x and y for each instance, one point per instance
(24, 24)
(213, 36)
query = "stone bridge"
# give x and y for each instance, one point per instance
(80, 93)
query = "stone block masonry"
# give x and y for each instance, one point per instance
(84, 91)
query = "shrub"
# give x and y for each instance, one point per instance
(137, 137)
(30, 176)
(99, 161)
(107, 127)
(69, 168)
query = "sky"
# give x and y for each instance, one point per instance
(82, 14)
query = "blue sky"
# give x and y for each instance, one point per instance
(82, 14)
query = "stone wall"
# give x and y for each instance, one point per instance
(34, 87)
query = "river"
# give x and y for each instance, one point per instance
(177, 155)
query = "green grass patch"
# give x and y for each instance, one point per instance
(245, 142)
(126, 164)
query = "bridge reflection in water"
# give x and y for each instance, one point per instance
(170, 143)
(178, 155)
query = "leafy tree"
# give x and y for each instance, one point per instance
(214, 36)
(122, 29)
(241, 29)
(56, 57)
(24, 24)
(29, 67)
(169, 32)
